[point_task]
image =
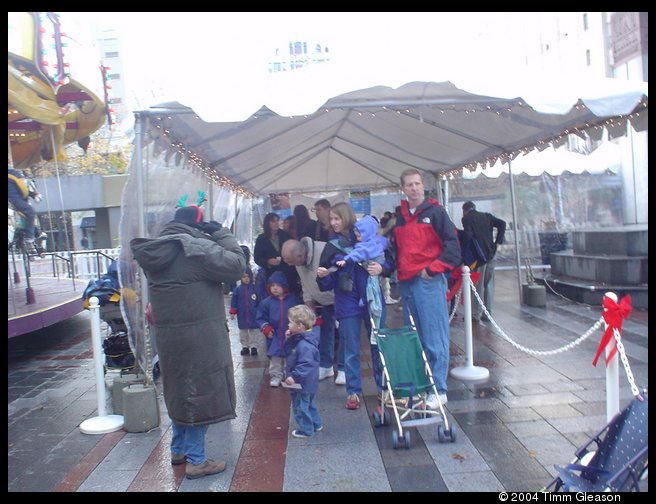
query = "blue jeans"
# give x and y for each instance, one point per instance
(327, 340)
(426, 301)
(189, 441)
(349, 333)
(306, 413)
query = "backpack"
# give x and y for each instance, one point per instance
(473, 254)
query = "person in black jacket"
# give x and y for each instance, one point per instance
(481, 225)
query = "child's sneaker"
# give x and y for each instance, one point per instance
(318, 429)
(299, 434)
(352, 402)
(245, 351)
(341, 378)
(253, 351)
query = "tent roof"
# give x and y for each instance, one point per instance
(366, 138)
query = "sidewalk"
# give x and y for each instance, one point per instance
(533, 412)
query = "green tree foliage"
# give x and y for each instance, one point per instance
(107, 154)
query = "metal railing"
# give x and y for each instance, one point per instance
(76, 265)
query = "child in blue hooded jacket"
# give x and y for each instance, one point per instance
(302, 350)
(272, 321)
(243, 304)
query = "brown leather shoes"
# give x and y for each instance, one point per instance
(208, 467)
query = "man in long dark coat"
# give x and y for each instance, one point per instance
(185, 267)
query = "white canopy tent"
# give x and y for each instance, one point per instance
(360, 139)
(366, 138)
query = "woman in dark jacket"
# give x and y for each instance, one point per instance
(267, 252)
(185, 267)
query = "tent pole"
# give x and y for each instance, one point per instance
(515, 229)
(142, 299)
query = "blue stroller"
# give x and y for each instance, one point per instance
(407, 380)
(615, 460)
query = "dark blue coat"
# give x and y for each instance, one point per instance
(302, 352)
(273, 311)
(244, 303)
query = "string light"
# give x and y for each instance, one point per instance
(557, 139)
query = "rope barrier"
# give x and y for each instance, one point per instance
(620, 347)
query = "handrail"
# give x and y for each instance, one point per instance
(84, 266)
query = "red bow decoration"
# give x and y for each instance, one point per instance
(614, 314)
(456, 278)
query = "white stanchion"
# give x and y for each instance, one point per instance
(103, 423)
(469, 371)
(612, 375)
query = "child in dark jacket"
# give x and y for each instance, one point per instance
(244, 305)
(302, 351)
(272, 321)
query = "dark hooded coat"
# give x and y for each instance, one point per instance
(185, 269)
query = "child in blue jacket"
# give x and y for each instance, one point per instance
(302, 350)
(272, 321)
(243, 304)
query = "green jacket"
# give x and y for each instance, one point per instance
(185, 269)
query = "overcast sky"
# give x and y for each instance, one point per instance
(173, 51)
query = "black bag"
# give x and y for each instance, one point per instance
(117, 351)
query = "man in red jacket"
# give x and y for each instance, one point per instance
(426, 248)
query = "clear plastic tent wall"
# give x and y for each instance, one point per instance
(166, 176)
(549, 208)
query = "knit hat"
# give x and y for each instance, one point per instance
(190, 215)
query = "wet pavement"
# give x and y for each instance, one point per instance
(534, 411)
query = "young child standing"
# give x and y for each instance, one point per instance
(272, 321)
(243, 304)
(302, 351)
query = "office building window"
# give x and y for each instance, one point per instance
(112, 54)
(585, 21)
(588, 58)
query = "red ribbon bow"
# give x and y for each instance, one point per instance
(614, 314)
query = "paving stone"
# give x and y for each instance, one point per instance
(540, 399)
(416, 479)
(550, 411)
(531, 428)
(483, 481)
(579, 424)
(349, 467)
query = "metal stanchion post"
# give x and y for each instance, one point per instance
(612, 376)
(469, 371)
(103, 423)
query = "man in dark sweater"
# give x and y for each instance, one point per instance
(481, 225)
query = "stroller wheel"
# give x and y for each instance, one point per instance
(445, 435)
(386, 418)
(406, 439)
(395, 439)
(378, 421)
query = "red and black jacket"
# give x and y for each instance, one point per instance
(426, 240)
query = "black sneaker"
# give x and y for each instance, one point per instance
(244, 351)
(253, 351)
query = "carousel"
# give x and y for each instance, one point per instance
(47, 109)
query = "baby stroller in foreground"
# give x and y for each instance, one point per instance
(408, 380)
(615, 460)
(118, 354)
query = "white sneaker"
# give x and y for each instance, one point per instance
(275, 382)
(341, 378)
(433, 403)
(325, 372)
(389, 300)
